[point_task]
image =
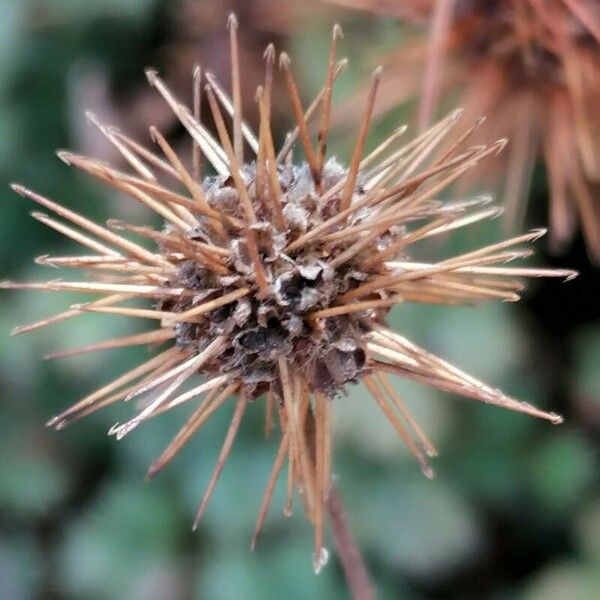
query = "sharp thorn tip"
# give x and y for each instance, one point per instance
(232, 21)
(269, 53)
(284, 61)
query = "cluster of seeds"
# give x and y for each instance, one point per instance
(262, 328)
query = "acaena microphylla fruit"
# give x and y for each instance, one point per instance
(271, 279)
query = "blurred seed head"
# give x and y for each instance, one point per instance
(533, 68)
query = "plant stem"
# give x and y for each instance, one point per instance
(353, 563)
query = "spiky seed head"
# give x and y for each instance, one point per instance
(273, 277)
(534, 69)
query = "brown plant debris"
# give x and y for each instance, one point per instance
(532, 67)
(271, 279)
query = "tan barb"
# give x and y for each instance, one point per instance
(271, 279)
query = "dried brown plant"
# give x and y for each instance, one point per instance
(272, 278)
(532, 67)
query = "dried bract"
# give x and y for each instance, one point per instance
(272, 278)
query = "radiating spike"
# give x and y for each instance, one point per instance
(240, 185)
(214, 399)
(310, 111)
(145, 291)
(336, 34)
(192, 186)
(224, 99)
(77, 236)
(68, 314)
(370, 382)
(129, 156)
(211, 305)
(121, 381)
(429, 448)
(138, 339)
(268, 493)
(285, 65)
(360, 141)
(197, 108)
(97, 230)
(274, 186)
(210, 384)
(298, 441)
(223, 455)
(209, 146)
(269, 58)
(238, 142)
(144, 153)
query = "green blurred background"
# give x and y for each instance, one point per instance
(514, 511)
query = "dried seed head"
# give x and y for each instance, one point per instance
(263, 328)
(534, 69)
(273, 277)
